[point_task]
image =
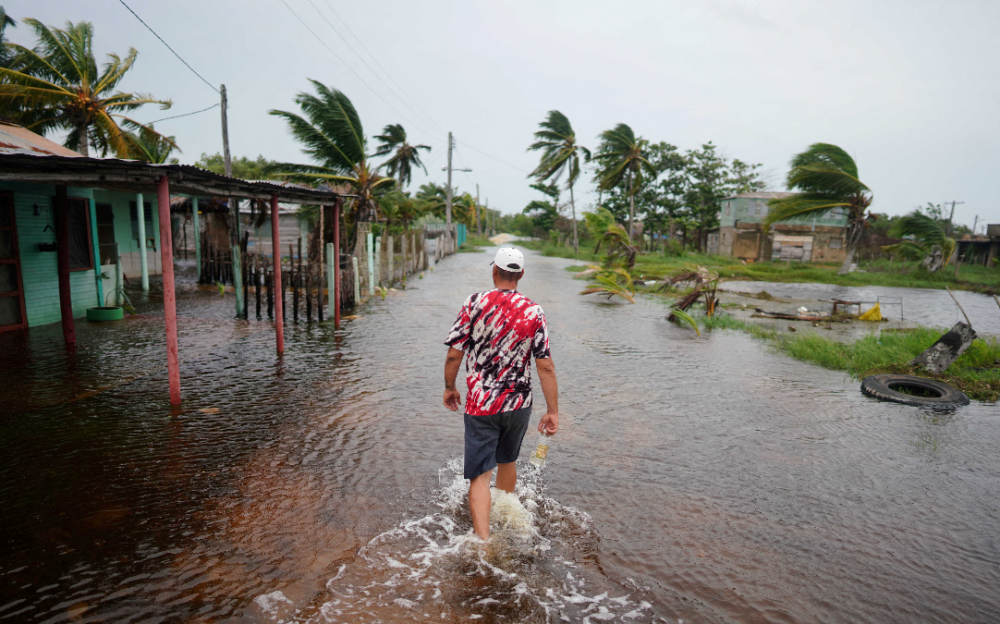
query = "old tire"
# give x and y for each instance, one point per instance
(105, 314)
(938, 394)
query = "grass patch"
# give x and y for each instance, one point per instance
(876, 273)
(474, 243)
(976, 372)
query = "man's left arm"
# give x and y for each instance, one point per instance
(452, 362)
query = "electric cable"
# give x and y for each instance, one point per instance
(351, 69)
(213, 88)
(216, 105)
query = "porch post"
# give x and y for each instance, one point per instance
(336, 263)
(143, 261)
(62, 260)
(97, 253)
(197, 237)
(279, 328)
(169, 296)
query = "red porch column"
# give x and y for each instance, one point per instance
(279, 328)
(62, 264)
(336, 263)
(169, 296)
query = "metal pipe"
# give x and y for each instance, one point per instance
(140, 211)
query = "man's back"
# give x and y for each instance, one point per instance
(499, 331)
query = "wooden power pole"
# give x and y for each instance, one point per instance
(234, 211)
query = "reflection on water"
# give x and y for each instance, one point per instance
(703, 479)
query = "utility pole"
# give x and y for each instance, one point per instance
(234, 211)
(479, 222)
(447, 205)
(951, 228)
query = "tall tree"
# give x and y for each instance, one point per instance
(826, 177)
(6, 51)
(58, 86)
(331, 134)
(150, 146)
(404, 156)
(434, 197)
(621, 160)
(560, 154)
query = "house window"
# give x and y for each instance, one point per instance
(81, 245)
(836, 243)
(134, 216)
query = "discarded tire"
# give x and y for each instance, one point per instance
(910, 390)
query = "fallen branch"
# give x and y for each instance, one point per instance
(960, 307)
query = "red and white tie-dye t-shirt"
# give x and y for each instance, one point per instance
(499, 331)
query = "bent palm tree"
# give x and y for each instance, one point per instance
(928, 239)
(826, 177)
(608, 232)
(560, 154)
(404, 156)
(57, 86)
(150, 146)
(331, 133)
(621, 158)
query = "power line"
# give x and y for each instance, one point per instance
(493, 157)
(216, 105)
(168, 46)
(323, 43)
(370, 68)
(422, 113)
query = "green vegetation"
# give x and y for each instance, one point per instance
(902, 274)
(474, 244)
(243, 167)
(826, 177)
(403, 157)
(57, 86)
(560, 154)
(976, 372)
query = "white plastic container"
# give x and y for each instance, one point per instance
(541, 450)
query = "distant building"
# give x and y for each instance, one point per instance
(817, 238)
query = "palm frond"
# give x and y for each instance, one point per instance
(681, 315)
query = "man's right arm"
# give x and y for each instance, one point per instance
(550, 388)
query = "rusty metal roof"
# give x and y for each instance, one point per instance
(18, 140)
(141, 177)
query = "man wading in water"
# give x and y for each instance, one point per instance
(501, 330)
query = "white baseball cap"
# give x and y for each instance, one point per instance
(509, 259)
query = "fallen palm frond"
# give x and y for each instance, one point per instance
(613, 282)
(681, 315)
(705, 283)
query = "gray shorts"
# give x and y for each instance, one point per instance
(490, 440)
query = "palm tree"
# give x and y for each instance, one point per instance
(331, 133)
(58, 86)
(560, 154)
(621, 158)
(826, 177)
(434, 197)
(150, 146)
(404, 156)
(928, 239)
(6, 53)
(606, 231)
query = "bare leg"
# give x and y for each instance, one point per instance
(506, 477)
(479, 504)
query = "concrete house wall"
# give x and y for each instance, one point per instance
(741, 234)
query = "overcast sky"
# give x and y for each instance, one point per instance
(909, 88)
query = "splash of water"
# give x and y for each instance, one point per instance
(534, 568)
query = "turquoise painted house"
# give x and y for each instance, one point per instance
(103, 229)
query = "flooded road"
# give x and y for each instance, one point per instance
(696, 479)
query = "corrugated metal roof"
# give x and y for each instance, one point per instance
(760, 195)
(18, 140)
(137, 176)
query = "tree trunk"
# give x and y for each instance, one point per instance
(572, 205)
(631, 210)
(84, 147)
(848, 259)
(946, 350)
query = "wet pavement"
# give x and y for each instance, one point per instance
(696, 479)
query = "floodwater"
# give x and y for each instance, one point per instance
(697, 479)
(924, 306)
